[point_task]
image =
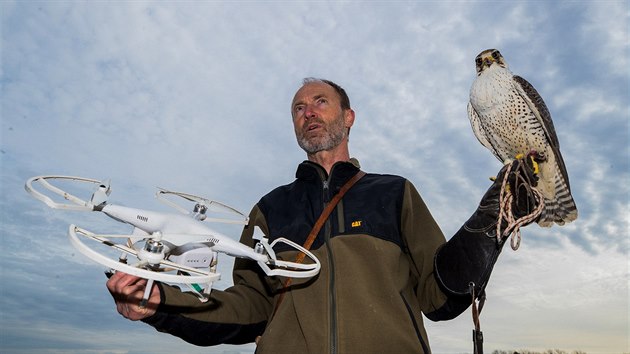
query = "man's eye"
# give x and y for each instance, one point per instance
(322, 100)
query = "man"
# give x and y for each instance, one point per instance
(384, 259)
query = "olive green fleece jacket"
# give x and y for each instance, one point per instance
(377, 253)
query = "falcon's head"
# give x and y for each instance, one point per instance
(488, 57)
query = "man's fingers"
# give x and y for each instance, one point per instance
(127, 291)
(119, 281)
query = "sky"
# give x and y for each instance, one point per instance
(194, 96)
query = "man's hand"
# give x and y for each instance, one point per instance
(127, 291)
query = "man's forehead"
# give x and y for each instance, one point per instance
(314, 89)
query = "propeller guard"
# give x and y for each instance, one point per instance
(283, 268)
(77, 203)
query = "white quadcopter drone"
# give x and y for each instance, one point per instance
(170, 247)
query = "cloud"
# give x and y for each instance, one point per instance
(195, 97)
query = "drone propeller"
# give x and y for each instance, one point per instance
(202, 207)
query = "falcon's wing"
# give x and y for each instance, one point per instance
(480, 133)
(538, 106)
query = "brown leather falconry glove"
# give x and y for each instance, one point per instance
(469, 256)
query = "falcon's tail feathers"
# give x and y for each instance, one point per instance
(562, 208)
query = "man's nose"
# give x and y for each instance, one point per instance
(309, 112)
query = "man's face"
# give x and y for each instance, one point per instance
(319, 122)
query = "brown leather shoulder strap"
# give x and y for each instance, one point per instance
(326, 212)
(318, 225)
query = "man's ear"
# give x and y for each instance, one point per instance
(349, 118)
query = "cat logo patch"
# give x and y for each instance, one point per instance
(356, 223)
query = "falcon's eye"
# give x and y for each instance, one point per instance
(496, 54)
(478, 61)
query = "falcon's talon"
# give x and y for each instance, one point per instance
(535, 164)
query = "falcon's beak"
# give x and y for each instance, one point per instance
(487, 61)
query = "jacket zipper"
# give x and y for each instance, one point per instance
(331, 265)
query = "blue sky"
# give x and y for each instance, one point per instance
(194, 96)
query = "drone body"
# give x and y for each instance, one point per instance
(166, 243)
(181, 229)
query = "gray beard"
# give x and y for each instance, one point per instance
(333, 137)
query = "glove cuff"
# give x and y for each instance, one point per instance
(468, 257)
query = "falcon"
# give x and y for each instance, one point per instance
(509, 117)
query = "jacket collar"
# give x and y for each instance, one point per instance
(339, 173)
